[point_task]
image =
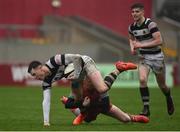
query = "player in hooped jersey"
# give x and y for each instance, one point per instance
(146, 41)
(53, 70)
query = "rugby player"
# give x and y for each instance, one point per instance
(91, 103)
(145, 40)
(53, 70)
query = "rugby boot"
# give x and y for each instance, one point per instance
(145, 112)
(79, 119)
(123, 66)
(139, 118)
(170, 105)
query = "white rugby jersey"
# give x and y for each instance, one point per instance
(57, 65)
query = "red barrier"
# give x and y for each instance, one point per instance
(16, 74)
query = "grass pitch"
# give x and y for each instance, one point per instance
(20, 110)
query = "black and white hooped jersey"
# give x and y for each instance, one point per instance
(57, 65)
(57, 72)
(143, 33)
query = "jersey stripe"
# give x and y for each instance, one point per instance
(53, 62)
(144, 37)
(153, 30)
(144, 33)
(63, 59)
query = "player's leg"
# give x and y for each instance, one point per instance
(90, 114)
(144, 91)
(160, 77)
(75, 111)
(120, 67)
(111, 77)
(98, 82)
(118, 114)
(96, 78)
(79, 119)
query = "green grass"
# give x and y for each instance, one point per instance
(20, 110)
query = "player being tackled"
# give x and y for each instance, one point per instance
(89, 103)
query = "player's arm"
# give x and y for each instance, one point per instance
(71, 103)
(157, 38)
(46, 104)
(77, 60)
(65, 59)
(157, 41)
(72, 100)
(131, 43)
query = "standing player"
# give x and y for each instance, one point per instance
(145, 37)
(91, 103)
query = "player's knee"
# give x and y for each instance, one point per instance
(162, 85)
(143, 80)
(103, 89)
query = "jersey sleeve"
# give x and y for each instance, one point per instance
(65, 59)
(46, 104)
(46, 85)
(54, 62)
(129, 30)
(153, 27)
(77, 61)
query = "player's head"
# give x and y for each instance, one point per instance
(137, 11)
(35, 69)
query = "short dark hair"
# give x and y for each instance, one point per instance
(137, 5)
(32, 65)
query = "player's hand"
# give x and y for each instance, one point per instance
(46, 124)
(86, 101)
(64, 99)
(72, 76)
(137, 45)
(133, 51)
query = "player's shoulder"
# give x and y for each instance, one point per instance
(149, 21)
(132, 26)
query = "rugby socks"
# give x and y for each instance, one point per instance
(75, 111)
(145, 96)
(167, 94)
(169, 101)
(110, 78)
